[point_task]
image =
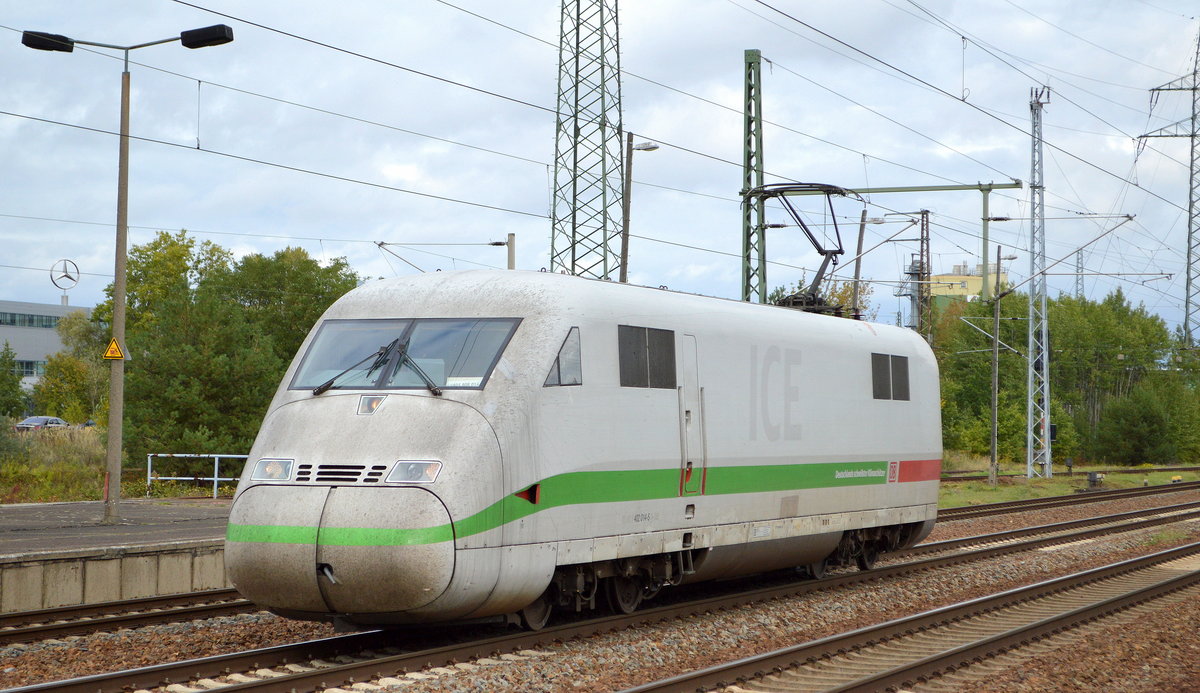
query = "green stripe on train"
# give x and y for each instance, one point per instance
(337, 536)
(580, 488)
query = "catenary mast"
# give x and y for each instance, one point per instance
(1037, 429)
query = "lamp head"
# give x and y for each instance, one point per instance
(42, 41)
(215, 35)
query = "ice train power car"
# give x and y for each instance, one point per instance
(463, 445)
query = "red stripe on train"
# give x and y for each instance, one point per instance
(920, 470)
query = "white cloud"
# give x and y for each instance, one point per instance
(64, 172)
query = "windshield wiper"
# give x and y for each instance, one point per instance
(412, 363)
(380, 358)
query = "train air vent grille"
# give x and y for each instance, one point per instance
(342, 473)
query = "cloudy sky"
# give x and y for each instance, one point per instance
(336, 126)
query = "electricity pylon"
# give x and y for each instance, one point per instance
(1188, 128)
(586, 214)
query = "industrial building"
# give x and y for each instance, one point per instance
(29, 328)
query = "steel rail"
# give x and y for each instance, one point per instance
(953, 476)
(1016, 637)
(173, 672)
(948, 544)
(329, 648)
(966, 511)
(58, 622)
(744, 670)
(132, 613)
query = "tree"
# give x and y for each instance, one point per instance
(12, 398)
(1100, 351)
(81, 336)
(963, 347)
(1136, 429)
(164, 267)
(200, 378)
(284, 295)
(209, 340)
(75, 384)
(54, 393)
(1177, 392)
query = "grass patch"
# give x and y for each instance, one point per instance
(959, 461)
(174, 489)
(1170, 536)
(59, 465)
(960, 493)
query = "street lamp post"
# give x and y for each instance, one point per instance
(195, 38)
(629, 149)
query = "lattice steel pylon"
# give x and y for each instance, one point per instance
(918, 284)
(1037, 412)
(588, 157)
(1079, 274)
(754, 225)
(1188, 128)
(925, 283)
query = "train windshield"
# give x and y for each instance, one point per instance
(381, 354)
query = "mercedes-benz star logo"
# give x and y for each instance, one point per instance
(64, 274)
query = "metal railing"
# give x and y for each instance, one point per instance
(216, 477)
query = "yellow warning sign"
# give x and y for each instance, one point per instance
(114, 353)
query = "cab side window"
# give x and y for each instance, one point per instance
(567, 368)
(647, 357)
(889, 376)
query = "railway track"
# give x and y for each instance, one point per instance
(978, 476)
(61, 622)
(381, 656)
(1100, 524)
(907, 652)
(69, 621)
(969, 511)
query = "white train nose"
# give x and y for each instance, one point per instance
(341, 549)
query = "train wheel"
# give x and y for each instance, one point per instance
(817, 570)
(624, 594)
(537, 615)
(867, 557)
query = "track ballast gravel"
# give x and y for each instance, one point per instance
(1157, 652)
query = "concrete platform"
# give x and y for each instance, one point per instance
(61, 554)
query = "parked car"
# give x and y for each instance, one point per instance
(37, 423)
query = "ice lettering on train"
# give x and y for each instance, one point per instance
(775, 408)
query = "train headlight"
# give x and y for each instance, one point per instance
(268, 469)
(414, 472)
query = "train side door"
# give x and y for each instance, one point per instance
(693, 448)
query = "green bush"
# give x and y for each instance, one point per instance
(1137, 429)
